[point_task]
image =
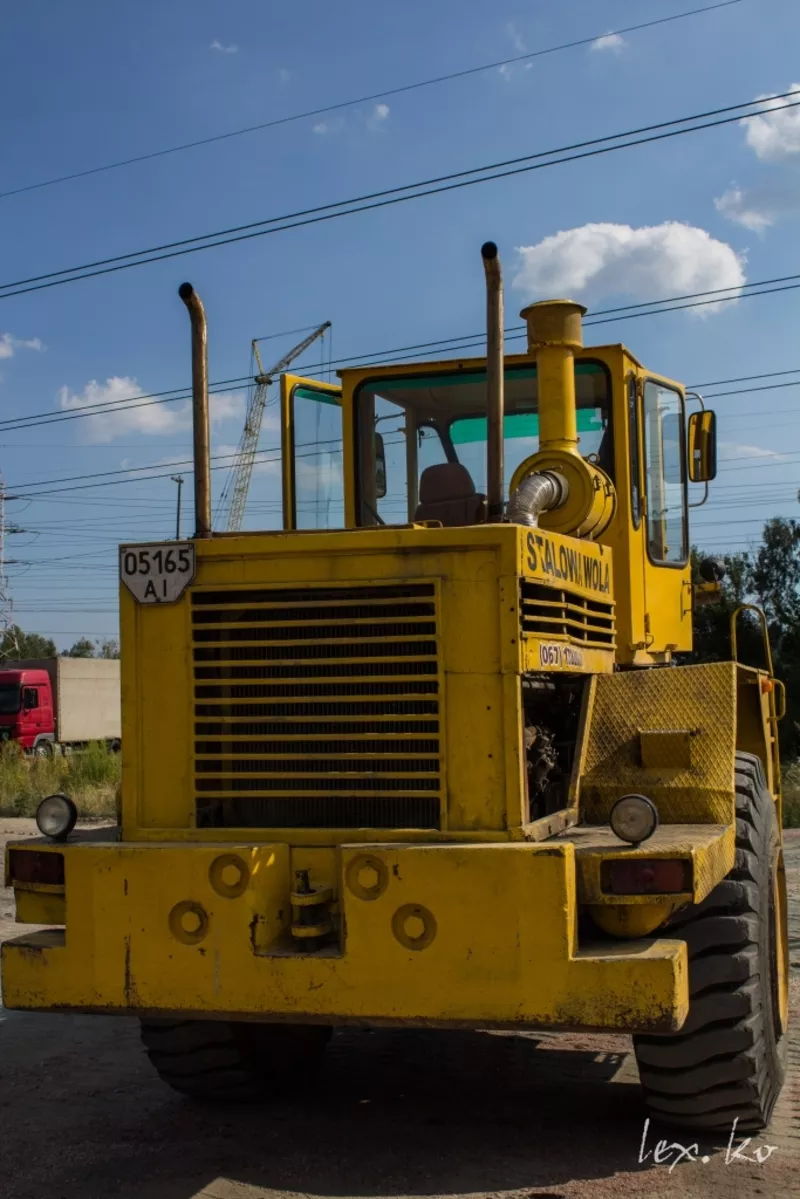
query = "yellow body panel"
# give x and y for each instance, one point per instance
(457, 934)
(698, 700)
(477, 574)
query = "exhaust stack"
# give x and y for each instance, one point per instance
(200, 417)
(557, 484)
(555, 332)
(494, 381)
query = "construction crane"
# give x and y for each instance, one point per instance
(237, 485)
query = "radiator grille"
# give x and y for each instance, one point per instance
(566, 616)
(317, 707)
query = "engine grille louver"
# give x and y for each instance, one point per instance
(318, 707)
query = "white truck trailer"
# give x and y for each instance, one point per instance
(50, 703)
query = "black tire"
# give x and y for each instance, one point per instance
(728, 1062)
(224, 1061)
(44, 749)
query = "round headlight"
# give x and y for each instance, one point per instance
(56, 816)
(634, 818)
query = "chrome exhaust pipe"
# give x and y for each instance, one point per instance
(200, 416)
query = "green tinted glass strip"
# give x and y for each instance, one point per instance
(318, 397)
(519, 424)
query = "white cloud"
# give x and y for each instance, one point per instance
(9, 344)
(516, 38)
(283, 75)
(747, 451)
(232, 48)
(609, 41)
(774, 135)
(149, 419)
(608, 260)
(319, 477)
(227, 406)
(378, 117)
(505, 70)
(759, 207)
(336, 125)
(735, 205)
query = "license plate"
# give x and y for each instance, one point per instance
(157, 574)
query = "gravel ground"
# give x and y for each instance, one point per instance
(394, 1114)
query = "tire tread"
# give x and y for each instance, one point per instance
(719, 1067)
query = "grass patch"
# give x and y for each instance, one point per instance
(791, 795)
(90, 777)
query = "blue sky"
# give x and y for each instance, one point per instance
(88, 83)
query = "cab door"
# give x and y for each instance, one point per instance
(667, 575)
(312, 454)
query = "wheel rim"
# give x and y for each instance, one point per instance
(780, 943)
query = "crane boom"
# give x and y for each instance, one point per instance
(238, 483)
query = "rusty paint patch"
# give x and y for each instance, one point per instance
(128, 980)
(253, 926)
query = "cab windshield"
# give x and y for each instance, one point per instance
(406, 424)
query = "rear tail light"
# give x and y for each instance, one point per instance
(646, 876)
(35, 866)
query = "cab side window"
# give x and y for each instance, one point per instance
(317, 453)
(665, 475)
(30, 698)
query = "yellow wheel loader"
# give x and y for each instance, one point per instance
(426, 756)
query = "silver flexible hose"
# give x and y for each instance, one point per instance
(537, 493)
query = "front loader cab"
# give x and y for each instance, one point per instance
(399, 423)
(402, 444)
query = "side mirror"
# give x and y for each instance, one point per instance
(380, 467)
(702, 446)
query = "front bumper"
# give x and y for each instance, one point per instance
(451, 934)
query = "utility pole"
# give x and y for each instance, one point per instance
(6, 607)
(179, 480)
(5, 598)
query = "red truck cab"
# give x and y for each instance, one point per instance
(26, 709)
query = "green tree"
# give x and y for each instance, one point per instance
(770, 578)
(712, 621)
(775, 578)
(17, 644)
(109, 648)
(83, 648)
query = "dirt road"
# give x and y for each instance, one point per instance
(394, 1113)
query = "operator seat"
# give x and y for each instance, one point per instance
(447, 494)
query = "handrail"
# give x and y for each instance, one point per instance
(764, 630)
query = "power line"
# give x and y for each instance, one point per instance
(165, 474)
(126, 403)
(747, 378)
(390, 196)
(108, 407)
(127, 470)
(396, 91)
